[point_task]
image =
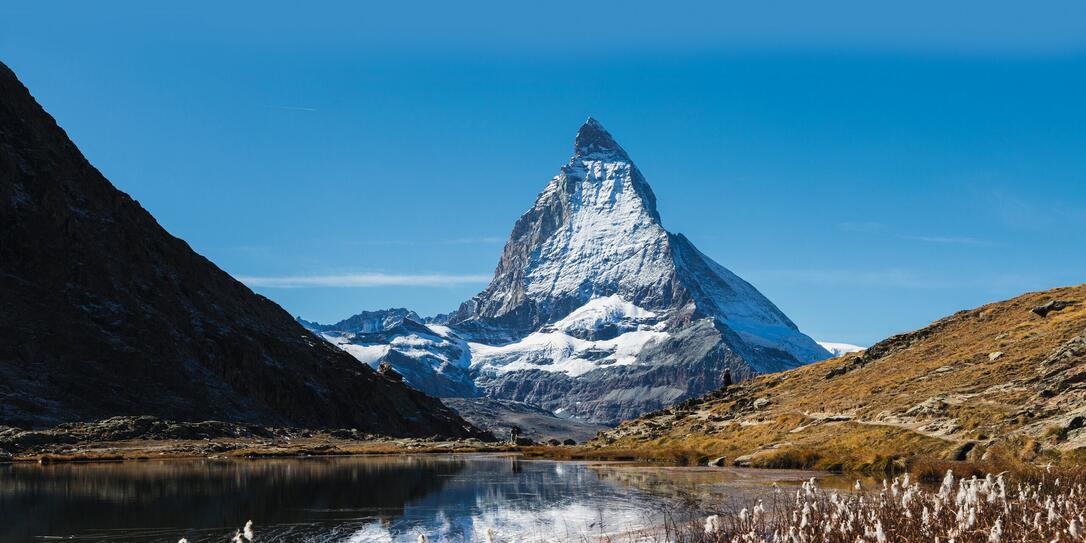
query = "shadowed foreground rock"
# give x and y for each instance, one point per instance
(104, 313)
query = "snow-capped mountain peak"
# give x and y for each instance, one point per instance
(594, 232)
(596, 309)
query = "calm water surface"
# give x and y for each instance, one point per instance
(359, 499)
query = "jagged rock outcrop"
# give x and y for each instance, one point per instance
(104, 313)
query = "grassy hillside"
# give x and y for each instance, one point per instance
(997, 379)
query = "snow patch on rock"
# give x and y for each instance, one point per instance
(601, 312)
(366, 354)
(567, 347)
(611, 241)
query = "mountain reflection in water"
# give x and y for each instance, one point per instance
(391, 498)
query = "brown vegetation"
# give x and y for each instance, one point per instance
(999, 378)
(965, 509)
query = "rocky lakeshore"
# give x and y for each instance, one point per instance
(136, 438)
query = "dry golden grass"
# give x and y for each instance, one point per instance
(938, 393)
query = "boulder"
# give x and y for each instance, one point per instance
(743, 461)
(1051, 307)
(389, 372)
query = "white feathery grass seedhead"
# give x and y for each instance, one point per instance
(712, 524)
(997, 532)
(947, 486)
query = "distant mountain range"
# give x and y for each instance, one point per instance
(104, 313)
(595, 311)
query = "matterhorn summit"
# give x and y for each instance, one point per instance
(595, 310)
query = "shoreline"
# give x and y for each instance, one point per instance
(121, 439)
(142, 450)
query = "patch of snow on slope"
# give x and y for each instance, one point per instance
(441, 330)
(601, 311)
(611, 238)
(366, 354)
(838, 349)
(437, 348)
(560, 352)
(442, 347)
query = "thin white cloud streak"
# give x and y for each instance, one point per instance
(293, 108)
(951, 240)
(362, 280)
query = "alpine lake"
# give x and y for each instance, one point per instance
(370, 498)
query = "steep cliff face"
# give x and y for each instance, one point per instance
(105, 313)
(595, 232)
(597, 311)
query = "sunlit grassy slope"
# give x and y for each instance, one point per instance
(995, 378)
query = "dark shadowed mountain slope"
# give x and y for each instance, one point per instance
(104, 313)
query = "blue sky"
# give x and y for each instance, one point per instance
(869, 169)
